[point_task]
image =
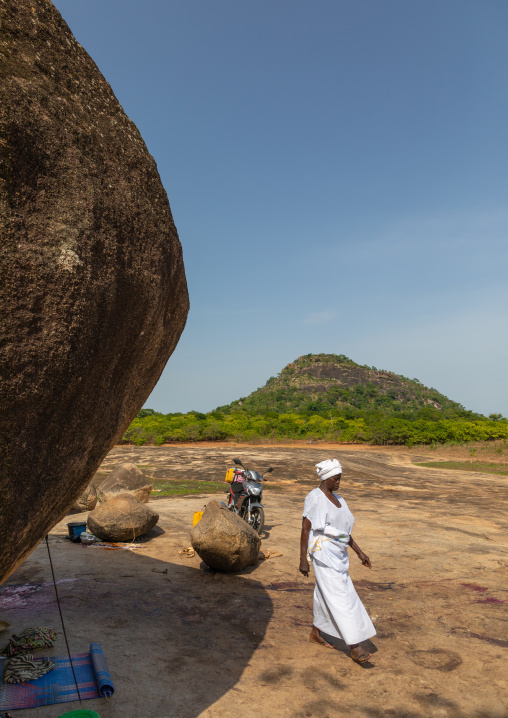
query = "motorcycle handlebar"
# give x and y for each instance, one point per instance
(245, 475)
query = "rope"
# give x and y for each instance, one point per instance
(61, 619)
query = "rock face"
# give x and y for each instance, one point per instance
(87, 501)
(122, 518)
(223, 540)
(93, 289)
(126, 478)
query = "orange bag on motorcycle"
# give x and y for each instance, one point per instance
(230, 475)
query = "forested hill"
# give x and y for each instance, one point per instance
(328, 397)
(317, 383)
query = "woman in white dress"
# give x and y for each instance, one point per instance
(326, 534)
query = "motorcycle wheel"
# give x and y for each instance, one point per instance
(257, 519)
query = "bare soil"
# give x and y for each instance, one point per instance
(182, 641)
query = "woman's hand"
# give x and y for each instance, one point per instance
(304, 567)
(364, 559)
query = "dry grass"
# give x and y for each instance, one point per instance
(484, 451)
(483, 467)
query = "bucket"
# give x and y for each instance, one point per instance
(198, 515)
(80, 713)
(75, 528)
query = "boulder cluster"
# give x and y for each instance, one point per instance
(223, 540)
(122, 514)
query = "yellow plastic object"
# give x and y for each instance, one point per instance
(230, 473)
(198, 515)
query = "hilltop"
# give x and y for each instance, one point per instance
(317, 383)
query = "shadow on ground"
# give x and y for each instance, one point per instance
(176, 638)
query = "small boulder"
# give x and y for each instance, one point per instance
(223, 540)
(126, 478)
(122, 518)
(87, 501)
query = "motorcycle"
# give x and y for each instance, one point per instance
(247, 503)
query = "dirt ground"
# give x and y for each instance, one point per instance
(182, 641)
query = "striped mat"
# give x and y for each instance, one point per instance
(58, 686)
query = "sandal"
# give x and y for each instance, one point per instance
(362, 658)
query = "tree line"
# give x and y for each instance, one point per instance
(426, 426)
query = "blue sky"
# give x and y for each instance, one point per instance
(337, 171)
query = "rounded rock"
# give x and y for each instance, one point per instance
(126, 478)
(223, 540)
(87, 501)
(122, 518)
(93, 290)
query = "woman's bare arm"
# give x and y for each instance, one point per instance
(304, 542)
(358, 551)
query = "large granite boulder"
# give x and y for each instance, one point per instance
(93, 289)
(223, 540)
(126, 478)
(122, 518)
(87, 501)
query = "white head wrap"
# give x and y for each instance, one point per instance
(329, 467)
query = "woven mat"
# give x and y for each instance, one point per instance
(58, 686)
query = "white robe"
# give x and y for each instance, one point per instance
(338, 610)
